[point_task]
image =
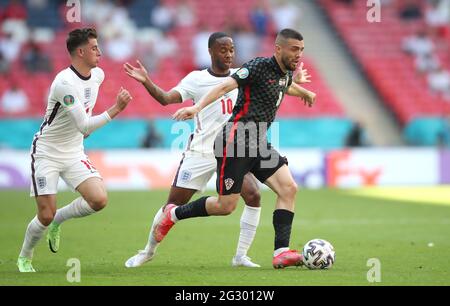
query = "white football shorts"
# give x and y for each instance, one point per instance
(195, 170)
(45, 174)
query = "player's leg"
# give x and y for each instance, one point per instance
(44, 184)
(249, 221)
(274, 172)
(46, 205)
(283, 184)
(192, 175)
(82, 176)
(177, 196)
(229, 182)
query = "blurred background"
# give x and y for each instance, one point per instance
(382, 76)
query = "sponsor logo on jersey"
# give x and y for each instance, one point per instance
(68, 100)
(243, 73)
(41, 182)
(229, 183)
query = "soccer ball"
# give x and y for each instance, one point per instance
(318, 254)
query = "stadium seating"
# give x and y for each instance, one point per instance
(169, 72)
(377, 48)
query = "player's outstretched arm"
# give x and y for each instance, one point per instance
(140, 74)
(215, 93)
(307, 96)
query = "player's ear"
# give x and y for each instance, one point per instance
(80, 51)
(278, 48)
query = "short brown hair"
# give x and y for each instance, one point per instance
(79, 37)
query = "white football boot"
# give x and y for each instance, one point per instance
(243, 261)
(145, 255)
(139, 259)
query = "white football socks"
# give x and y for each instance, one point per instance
(152, 244)
(34, 233)
(249, 223)
(77, 209)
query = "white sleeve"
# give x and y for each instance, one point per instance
(86, 125)
(187, 87)
(66, 95)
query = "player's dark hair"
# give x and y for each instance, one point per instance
(79, 37)
(215, 36)
(288, 33)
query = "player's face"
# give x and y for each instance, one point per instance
(291, 53)
(222, 53)
(91, 53)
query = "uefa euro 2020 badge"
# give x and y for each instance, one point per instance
(243, 73)
(68, 100)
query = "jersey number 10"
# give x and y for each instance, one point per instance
(227, 107)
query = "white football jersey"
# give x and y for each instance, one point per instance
(58, 136)
(210, 120)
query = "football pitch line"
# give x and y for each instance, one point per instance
(436, 195)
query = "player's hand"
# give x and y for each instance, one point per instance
(185, 113)
(123, 98)
(301, 75)
(138, 73)
(309, 99)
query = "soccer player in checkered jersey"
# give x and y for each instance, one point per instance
(57, 148)
(243, 147)
(198, 163)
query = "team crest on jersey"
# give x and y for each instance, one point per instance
(68, 100)
(229, 183)
(243, 73)
(186, 176)
(41, 182)
(282, 82)
(87, 93)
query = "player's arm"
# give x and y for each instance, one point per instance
(85, 124)
(307, 96)
(218, 91)
(140, 74)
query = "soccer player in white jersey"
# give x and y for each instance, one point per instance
(57, 148)
(198, 163)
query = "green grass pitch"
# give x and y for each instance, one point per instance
(198, 251)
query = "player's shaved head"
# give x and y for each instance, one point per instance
(79, 37)
(285, 34)
(215, 36)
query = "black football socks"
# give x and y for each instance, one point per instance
(282, 223)
(193, 209)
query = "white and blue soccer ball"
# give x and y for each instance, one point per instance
(318, 254)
